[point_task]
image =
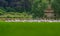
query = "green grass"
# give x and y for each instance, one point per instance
(29, 29)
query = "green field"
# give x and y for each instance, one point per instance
(29, 29)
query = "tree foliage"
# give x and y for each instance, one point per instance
(56, 7)
(38, 9)
(34, 7)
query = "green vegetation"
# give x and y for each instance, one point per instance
(56, 7)
(35, 8)
(16, 15)
(29, 29)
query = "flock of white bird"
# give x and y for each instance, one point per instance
(32, 20)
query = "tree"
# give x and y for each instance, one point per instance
(38, 9)
(56, 7)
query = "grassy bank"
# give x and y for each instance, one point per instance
(29, 29)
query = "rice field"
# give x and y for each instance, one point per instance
(29, 29)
